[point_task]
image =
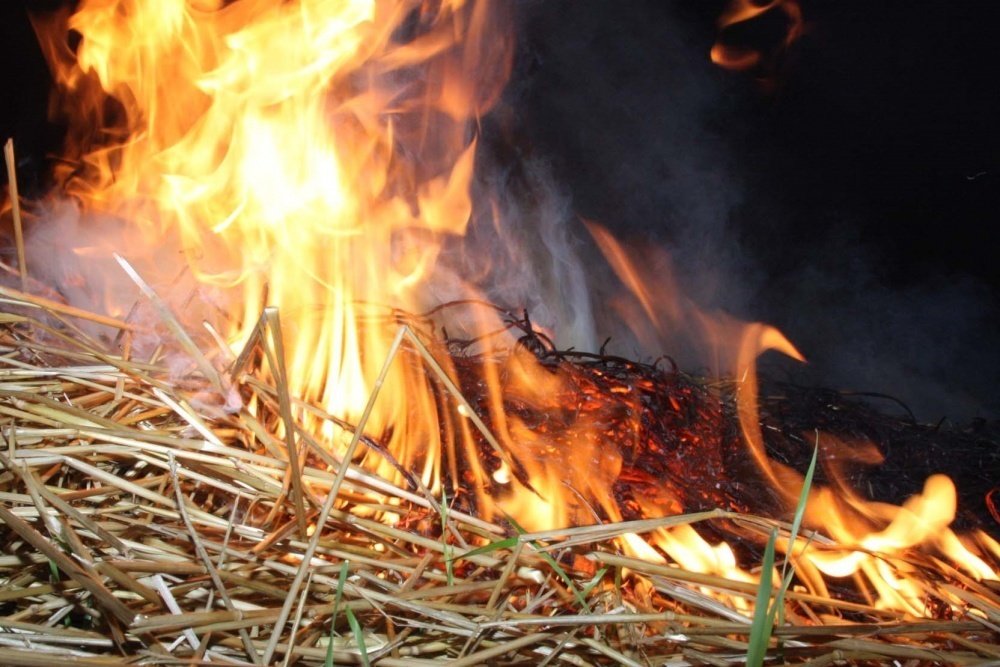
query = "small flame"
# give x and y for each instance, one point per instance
(871, 537)
(742, 13)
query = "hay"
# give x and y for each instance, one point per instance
(15, 210)
(140, 527)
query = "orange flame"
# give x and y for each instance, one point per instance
(740, 13)
(310, 155)
(870, 537)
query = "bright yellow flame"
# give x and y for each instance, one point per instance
(308, 154)
(884, 531)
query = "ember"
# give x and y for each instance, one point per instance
(663, 436)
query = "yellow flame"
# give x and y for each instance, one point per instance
(310, 155)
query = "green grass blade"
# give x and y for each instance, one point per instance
(508, 543)
(593, 582)
(359, 636)
(556, 567)
(341, 580)
(329, 649)
(445, 547)
(760, 626)
(800, 509)
(776, 612)
(787, 569)
(566, 578)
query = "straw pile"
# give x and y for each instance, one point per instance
(143, 527)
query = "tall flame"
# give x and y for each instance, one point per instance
(310, 155)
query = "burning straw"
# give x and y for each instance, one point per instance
(139, 527)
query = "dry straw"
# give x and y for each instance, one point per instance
(15, 209)
(138, 527)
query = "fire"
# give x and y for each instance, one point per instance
(870, 539)
(742, 13)
(880, 531)
(316, 155)
(311, 155)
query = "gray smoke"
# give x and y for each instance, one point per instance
(71, 259)
(621, 99)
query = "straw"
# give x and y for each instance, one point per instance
(15, 206)
(138, 527)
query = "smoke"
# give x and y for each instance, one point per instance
(573, 140)
(589, 130)
(71, 259)
(646, 137)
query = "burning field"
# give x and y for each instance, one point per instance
(259, 406)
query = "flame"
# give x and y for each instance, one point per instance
(741, 13)
(317, 155)
(311, 155)
(871, 539)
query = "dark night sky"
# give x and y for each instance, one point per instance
(849, 203)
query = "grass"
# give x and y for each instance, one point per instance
(766, 609)
(336, 610)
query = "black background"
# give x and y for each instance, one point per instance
(851, 200)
